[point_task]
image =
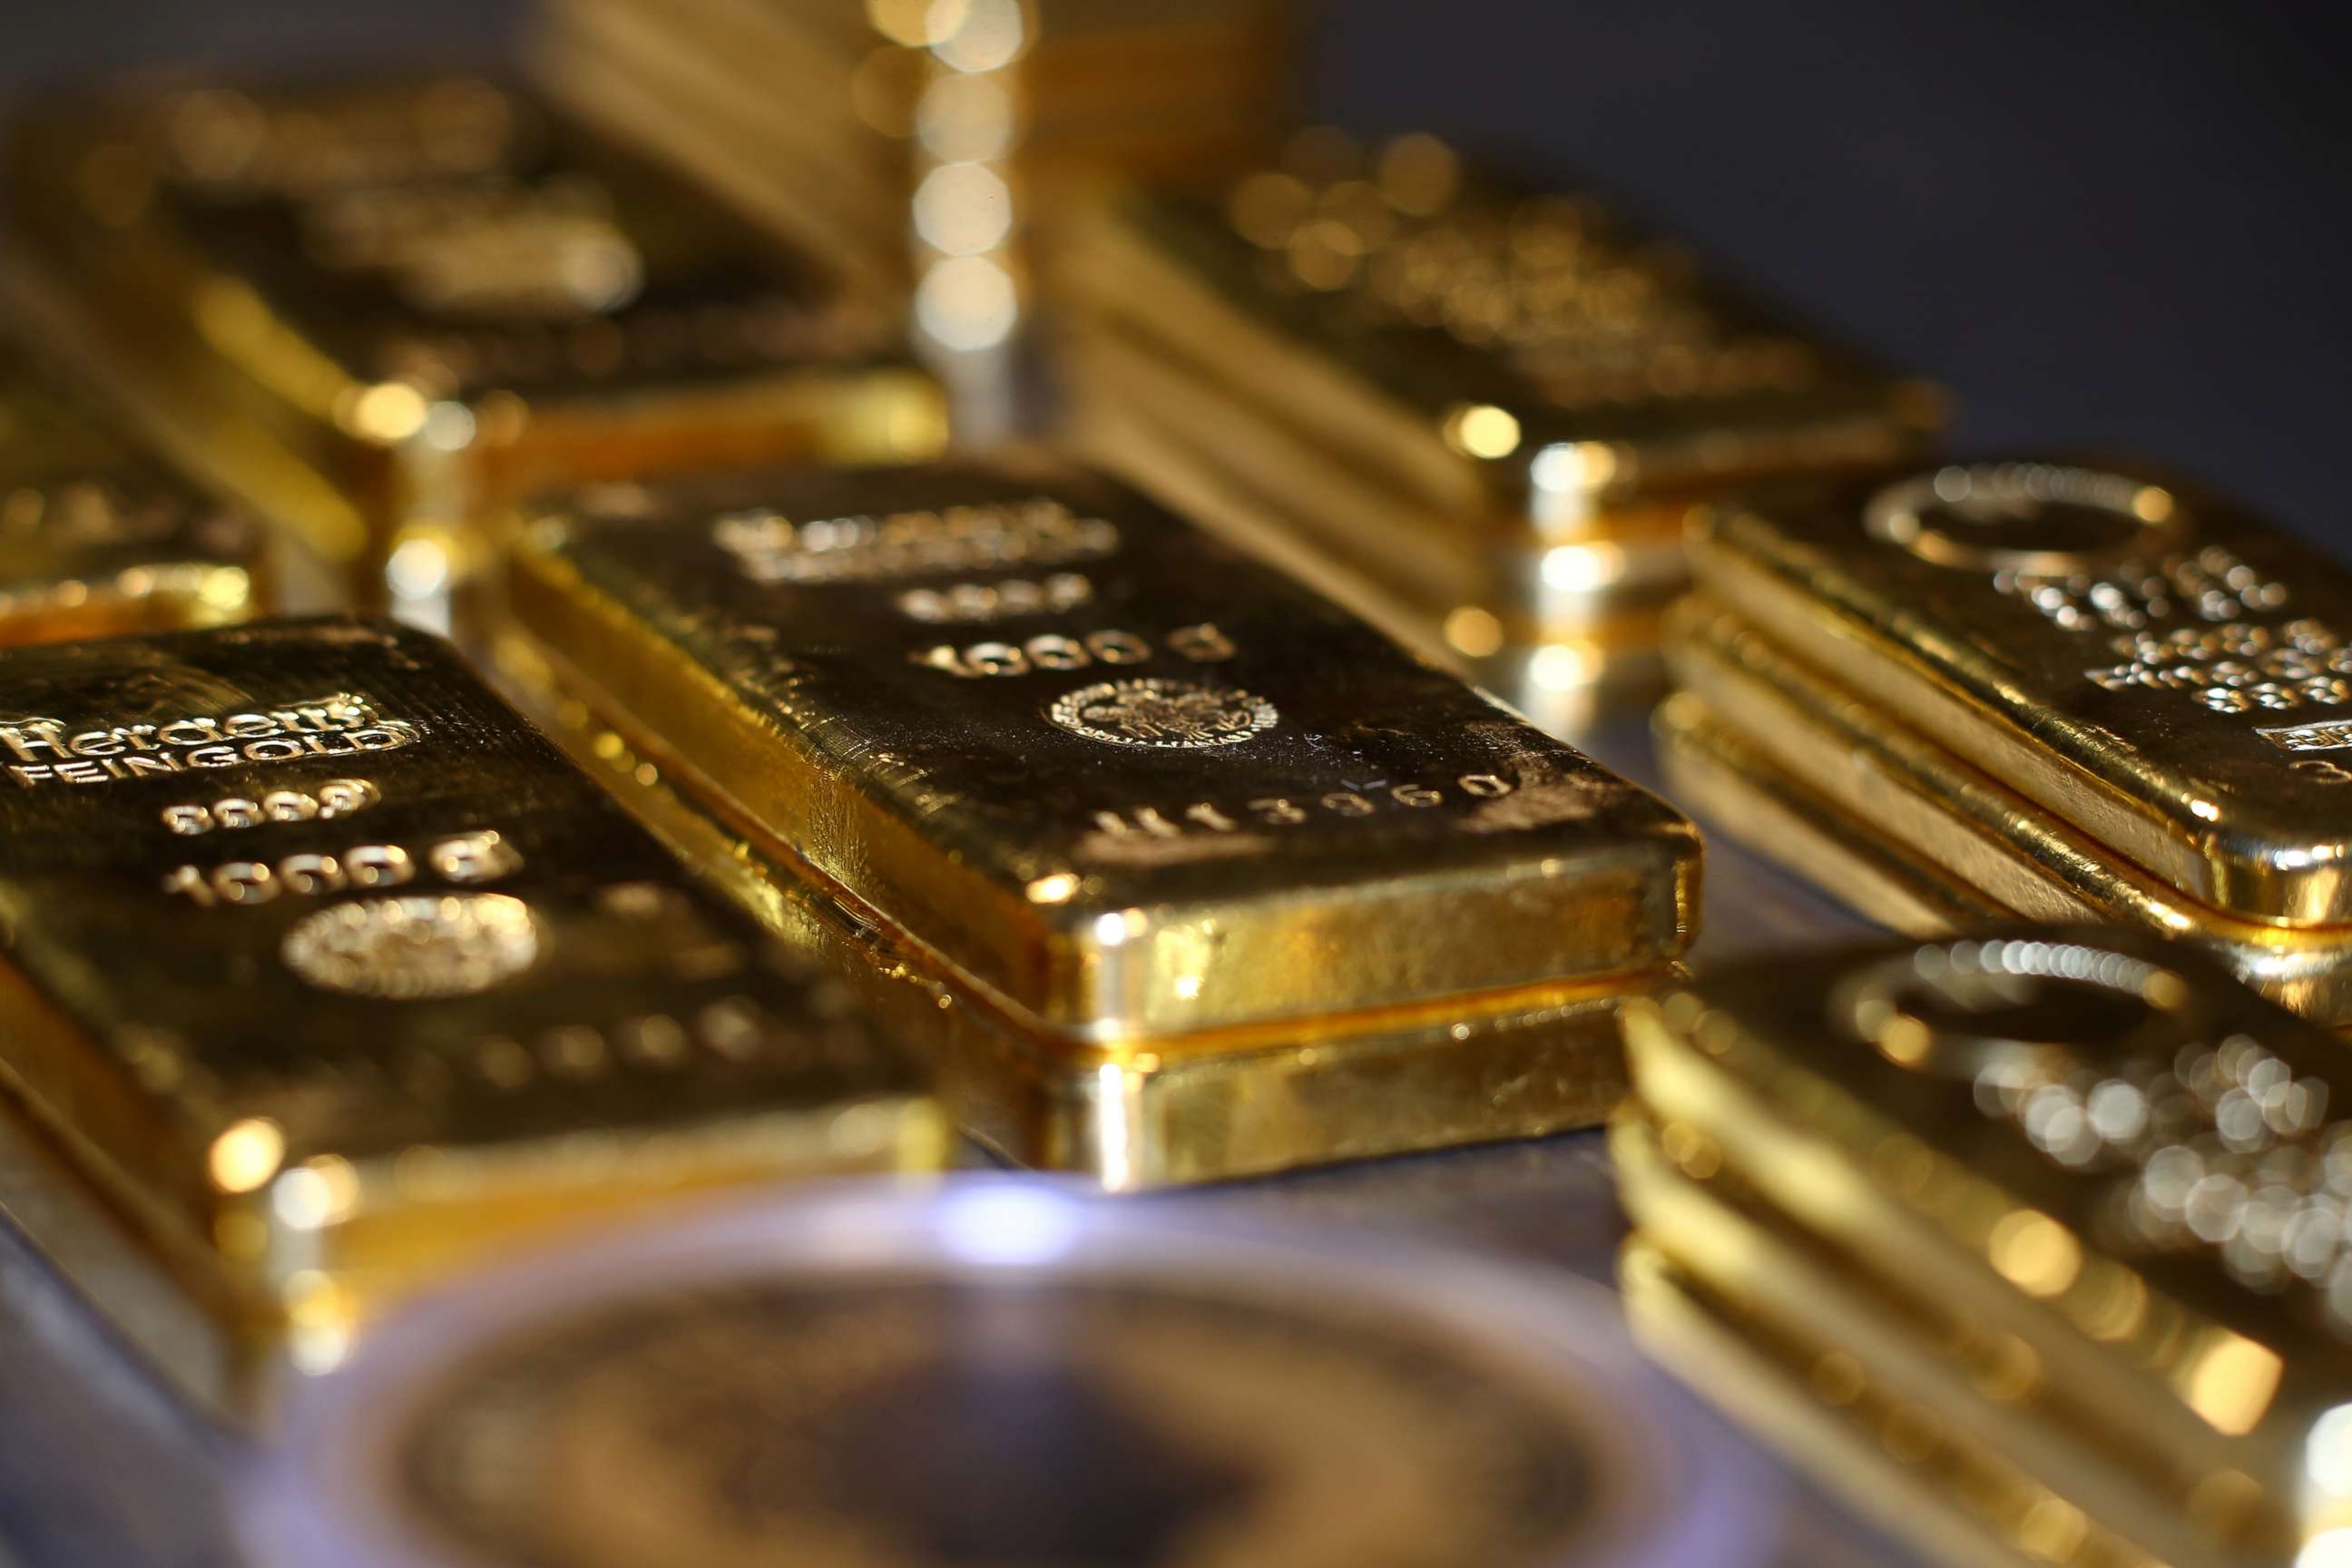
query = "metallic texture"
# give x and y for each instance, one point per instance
(1205, 1108)
(2140, 658)
(1897, 787)
(1130, 780)
(1484, 405)
(97, 539)
(382, 309)
(2071, 1196)
(333, 972)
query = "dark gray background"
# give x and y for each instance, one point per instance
(2106, 225)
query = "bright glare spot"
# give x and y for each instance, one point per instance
(247, 1154)
(962, 209)
(2152, 504)
(1581, 568)
(1483, 430)
(976, 35)
(2328, 1549)
(2327, 1452)
(304, 1200)
(1111, 930)
(419, 568)
(1567, 467)
(2035, 1253)
(449, 427)
(1188, 986)
(967, 302)
(389, 412)
(1563, 667)
(1009, 1226)
(1474, 632)
(1053, 889)
(965, 117)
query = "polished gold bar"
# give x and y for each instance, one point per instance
(2142, 659)
(98, 540)
(435, 294)
(1731, 787)
(1210, 1107)
(1900, 787)
(333, 974)
(1128, 781)
(2114, 1168)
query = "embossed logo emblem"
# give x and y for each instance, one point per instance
(409, 949)
(1152, 711)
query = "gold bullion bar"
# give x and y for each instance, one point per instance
(1210, 1107)
(2140, 656)
(1526, 366)
(1730, 785)
(439, 291)
(1130, 780)
(1896, 784)
(1938, 1488)
(2171, 1255)
(334, 973)
(1981, 1387)
(96, 539)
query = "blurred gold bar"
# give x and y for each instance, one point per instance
(98, 540)
(1208, 1106)
(1485, 405)
(2144, 660)
(1152, 801)
(333, 975)
(433, 294)
(2094, 1187)
(1899, 787)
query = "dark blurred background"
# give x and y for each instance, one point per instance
(2104, 224)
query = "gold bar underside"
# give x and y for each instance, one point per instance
(1918, 1353)
(1909, 791)
(2220, 792)
(1142, 1114)
(1242, 928)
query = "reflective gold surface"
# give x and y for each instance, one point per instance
(1898, 786)
(2142, 659)
(1129, 781)
(96, 539)
(333, 972)
(436, 292)
(1190, 1108)
(2100, 1185)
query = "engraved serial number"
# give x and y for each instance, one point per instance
(1012, 597)
(336, 797)
(1202, 644)
(463, 859)
(1369, 798)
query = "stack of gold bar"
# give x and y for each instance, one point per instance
(379, 311)
(2054, 690)
(923, 140)
(95, 538)
(1474, 412)
(2035, 1243)
(1179, 870)
(328, 974)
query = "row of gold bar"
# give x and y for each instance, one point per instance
(2033, 1242)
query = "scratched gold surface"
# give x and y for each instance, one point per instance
(2140, 657)
(2095, 1176)
(1127, 779)
(437, 292)
(333, 971)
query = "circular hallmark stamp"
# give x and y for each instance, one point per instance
(1152, 711)
(2044, 518)
(410, 949)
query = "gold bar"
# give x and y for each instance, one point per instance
(1899, 787)
(1210, 1107)
(1129, 781)
(97, 540)
(2142, 659)
(437, 293)
(2143, 1296)
(333, 974)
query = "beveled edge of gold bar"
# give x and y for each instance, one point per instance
(1701, 1212)
(1176, 1111)
(1939, 1490)
(1909, 789)
(2241, 860)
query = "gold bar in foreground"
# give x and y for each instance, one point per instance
(2140, 657)
(2099, 1185)
(1209, 1107)
(332, 972)
(1129, 781)
(1899, 788)
(96, 539)
(426, 295)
